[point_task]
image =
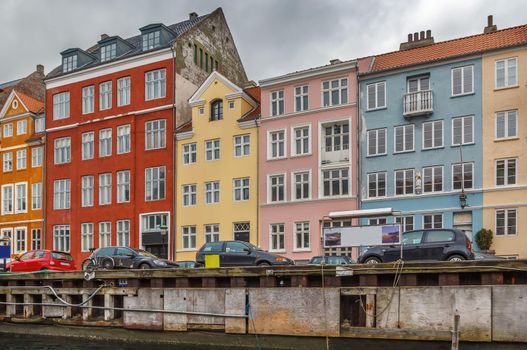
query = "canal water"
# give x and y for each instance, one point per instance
(31, 342)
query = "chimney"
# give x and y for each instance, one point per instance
(335, 61)
(418, 39)
(104, 36)
(40, 69)
(491, 27)
(192, 15)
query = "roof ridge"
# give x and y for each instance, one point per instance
(453, 40)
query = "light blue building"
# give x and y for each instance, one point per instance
(420, 142)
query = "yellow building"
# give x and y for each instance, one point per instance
(22, 155)
(504, 88)
(216, 167)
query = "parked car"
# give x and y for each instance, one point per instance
(125, 258)
(239, 253)
(187, 264)
(37, 260)
(428, 244)
(483, 256)
(331, 260)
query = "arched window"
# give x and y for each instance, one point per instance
(216, 111)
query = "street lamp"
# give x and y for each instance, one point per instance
(462, 195)
(462, 199)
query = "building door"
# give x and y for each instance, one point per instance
(463, 221)
(154, 234)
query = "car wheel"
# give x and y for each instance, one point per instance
(263, 263)
(372, 260)
(455, 258)
(144, 266)
(107, 264)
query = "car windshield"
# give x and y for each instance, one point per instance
(252, 246)
(61, 256)
(145, 253)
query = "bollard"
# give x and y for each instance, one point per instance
(455, 333)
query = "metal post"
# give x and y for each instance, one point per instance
(455, 333)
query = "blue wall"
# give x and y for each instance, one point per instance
(445, 108)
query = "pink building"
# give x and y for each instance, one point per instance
(308, 163)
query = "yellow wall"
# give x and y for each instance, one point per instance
(224, 170)
(31, 219)
(496, 100)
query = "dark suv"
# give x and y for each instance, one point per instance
(125, 258)
(428, 244)
(238, 253)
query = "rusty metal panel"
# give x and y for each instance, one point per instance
(206, 300)
(145, 299)
(235, 305)
(509, 313)
(175, 299)
(295, 311)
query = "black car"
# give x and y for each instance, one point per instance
(331, 260)
(187, 264)
(239, 253)
(422, 245)
(125, 258)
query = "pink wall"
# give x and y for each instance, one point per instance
(315, 209)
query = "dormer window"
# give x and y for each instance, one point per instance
(108, 52)
(69, 63)
(216, 111)
(151, 40)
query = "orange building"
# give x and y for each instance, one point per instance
(22, 126)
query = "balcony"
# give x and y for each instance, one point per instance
(332, 155)
(418, 103)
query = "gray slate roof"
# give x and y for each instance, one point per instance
(136, 41)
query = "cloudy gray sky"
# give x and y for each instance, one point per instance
(273, 36)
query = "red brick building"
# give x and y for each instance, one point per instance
(111, 114)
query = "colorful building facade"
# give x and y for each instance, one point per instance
(112, 113)
(308, 157)
(505, 146)
(22, 126)
(217, 178)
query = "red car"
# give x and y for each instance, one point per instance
(36, 260)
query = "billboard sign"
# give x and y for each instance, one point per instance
(335, 237)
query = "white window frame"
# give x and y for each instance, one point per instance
(62, 154)
(302, 92)
(432, 124)
(463, 175)
(105, 142)
(105, 188)
(87, 233)
(506, 77)
(23, 207)
(7, 161)
(124, 139)
(303, 247)
(377, 105)
(21, 127)
(108, 52)
(190, 156)
(69, 63)
(105, 234)
(212, 188)
(330, 89)
(405, 136)
(294, 150)
(87, 190)
(123, 233)
(61, 105)
(211, 233)
(270, 187)
(463, 142)
(294, 183)
(36, 196)
(463, 93)
(277, 233)
(159, 181)
(40, 125)
(377, 144)
(277, 97)
(155, 84)
(21, 159)
(433, 217)
(10, 201)
(505, 115)
(88, 99)
(506, 172)
(123, 91)
(238, 184)
(404, 179)
(190, 196)
(404, 222)
(506, 213)
(340, 179)
(270, 144)
(37, 154)
(19, 245)
(8, 130)
(61, 199)
(433, 178)
(188, 237)
(155, 134)
(211, 146)
(62, 240)
(240, 143)
(375, 175)
(123, 186)
(105, 95)
(36, 238)
(87, 145)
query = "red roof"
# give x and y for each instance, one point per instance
(508, 37)
(254, 92)
(32, 104)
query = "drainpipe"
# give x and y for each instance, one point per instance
(257, 183)
(359, 151)
(174, 152)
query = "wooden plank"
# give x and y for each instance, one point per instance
(448, 279)
(492, 278)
